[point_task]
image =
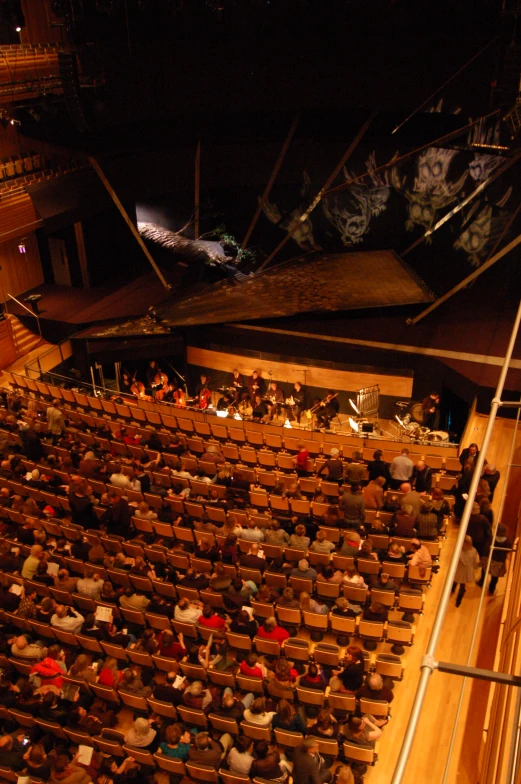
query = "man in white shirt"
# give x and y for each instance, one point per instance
(188, 612)
(90, 586)
(121, 480)
(252, 533)
(66, 619)
(420, 555)
(401, 469)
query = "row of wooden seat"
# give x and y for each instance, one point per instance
(112, 742)
(189, 422)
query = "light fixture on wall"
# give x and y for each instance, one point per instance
(22, 246)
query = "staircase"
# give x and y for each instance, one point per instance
(24, 340)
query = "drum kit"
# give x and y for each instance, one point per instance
(410, 427)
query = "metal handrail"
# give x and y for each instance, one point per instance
(428, 662)
(31, 312)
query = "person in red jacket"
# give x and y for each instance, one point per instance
(211, 620)
(270, 631)
(51, 669)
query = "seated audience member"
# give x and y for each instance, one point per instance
(271, 631)
(326, 726)
(205, 751)
(142, 735)
(240, 758)
(374, 689)
(420, 555)
(299, 540)
(375, 612)
(67, 619)
(321, 544)
(268, 763)
(314, 678)
(257, 713)
(304, 570)
(243, 624)
(176, 743)
(427, 522)
(287, 718)
(309, 767)
(210, 619)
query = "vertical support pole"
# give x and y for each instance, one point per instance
(197, 190)
(82, 254)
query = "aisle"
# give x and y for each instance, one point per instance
(429, 752)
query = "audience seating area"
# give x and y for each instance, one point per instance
(264, 456)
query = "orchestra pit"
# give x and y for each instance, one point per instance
(260, 365)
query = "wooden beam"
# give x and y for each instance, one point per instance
(271, 181)
(197, 190)
(82, 254)
(318, 198)
(113, 195)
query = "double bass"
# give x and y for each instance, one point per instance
(138, 389)
(160, 385)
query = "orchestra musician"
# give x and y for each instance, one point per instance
(275, 399)
(203, 392)
(328, 409)
(260, 409)
(168, 393)
(256, 385)
(126, 382)
(296, 402)
(224, 402)
(237, 383)
(245, 408)
(431, 411)
(151, 373)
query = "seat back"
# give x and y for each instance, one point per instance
(372, 630)
(240, 642)
(315, 621)
(250, 684)
(289, 739)
(311, 696)
(223, 725)
(376, 708)
(355, 753)
(255, 732)
(202, 773)
(192, 716)
(342, 702)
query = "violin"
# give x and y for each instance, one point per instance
(204, 398)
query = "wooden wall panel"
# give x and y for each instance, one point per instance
(19, 271)
(7, 347)
(325, 378)
(39, 21)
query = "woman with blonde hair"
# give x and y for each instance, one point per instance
(81, 669)
(143, 512)
(308, 604)
(321, 544)
(299, 540)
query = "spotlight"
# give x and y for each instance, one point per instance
(354, 406)
(21, 247)
(18, 29)
(354, 425)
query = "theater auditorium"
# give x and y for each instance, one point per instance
(260, 374)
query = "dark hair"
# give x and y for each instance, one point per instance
(312, 670)
(242, 743)
(261, 749)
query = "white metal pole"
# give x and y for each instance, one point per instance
(428, 662)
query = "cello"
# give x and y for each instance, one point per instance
(160, 385)
(205, 397)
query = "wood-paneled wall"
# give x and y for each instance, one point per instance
(325, 378)
(19, 271)
(7, 346)
(39, 21)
